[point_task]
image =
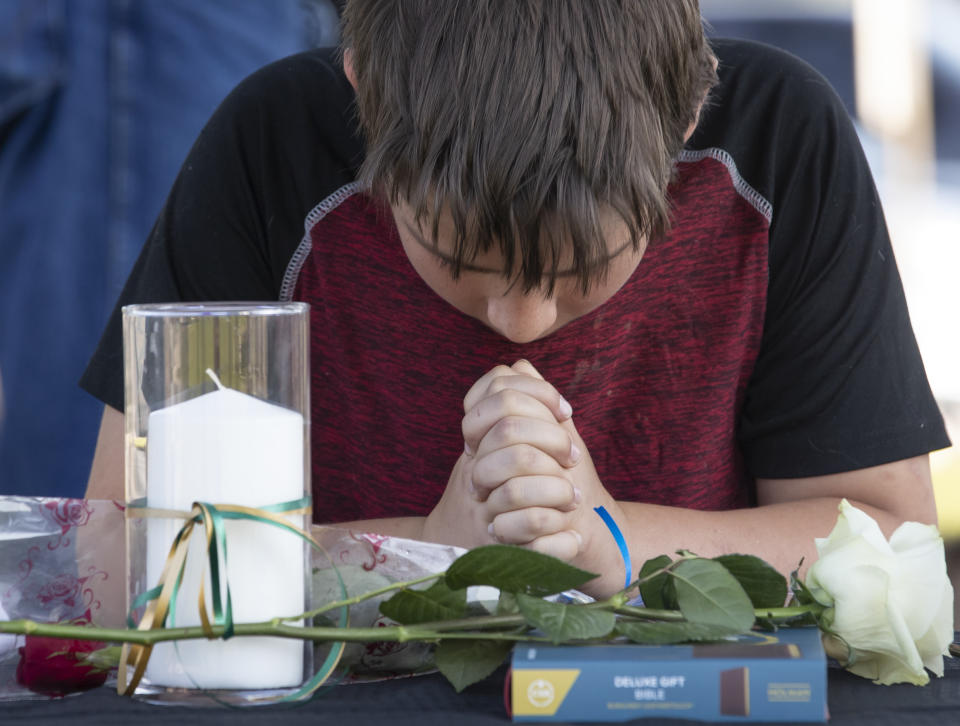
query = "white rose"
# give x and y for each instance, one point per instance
(891, 602)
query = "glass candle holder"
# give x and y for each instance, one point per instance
(217, 411)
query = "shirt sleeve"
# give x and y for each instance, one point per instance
(839, 383)
(275, 146)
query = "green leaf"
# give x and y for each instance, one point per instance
(709, 595)
(764, 585)
(103, 659)
(464, 662)
(665, 633)
(514, 569)
(800, 594)
(658, 592)
(437, 602)
(507, 604)
(562, 622)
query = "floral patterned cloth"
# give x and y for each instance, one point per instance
(63, 560)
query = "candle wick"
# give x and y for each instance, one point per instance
(215, 379)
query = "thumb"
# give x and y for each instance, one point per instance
(525, 367)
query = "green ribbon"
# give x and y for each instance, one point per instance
(213, 519)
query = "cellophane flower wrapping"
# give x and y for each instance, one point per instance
(63, 560)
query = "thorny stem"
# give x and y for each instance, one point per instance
(486, 627)
(360, 598)
(428, 632)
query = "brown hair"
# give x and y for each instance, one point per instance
(524, 119)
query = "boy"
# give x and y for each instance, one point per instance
(692, 284)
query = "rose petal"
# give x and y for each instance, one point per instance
(827, 578)
(51, 666)
(892, 602)
(935, 643)
(921, 576)
(876, 631)
(852, 524)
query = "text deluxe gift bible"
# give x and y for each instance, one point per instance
(757, 677)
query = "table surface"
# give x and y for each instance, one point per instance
(429, 699)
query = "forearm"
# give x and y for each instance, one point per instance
(406, 527)
(780, 533)
(106, 471)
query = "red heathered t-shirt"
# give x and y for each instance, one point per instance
(656, 375)
(767, 336)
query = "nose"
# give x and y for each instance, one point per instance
(521, 317)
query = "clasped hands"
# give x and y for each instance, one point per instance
(525, 476)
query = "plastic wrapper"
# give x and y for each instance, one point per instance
(63, 560)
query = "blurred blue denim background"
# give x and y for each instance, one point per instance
(100, 101)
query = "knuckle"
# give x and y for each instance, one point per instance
(497, 385)
(538, 520)
(525, 457)
(509, 399)
(506, 430)
(478, 477)
(514, 494)
(496, 378)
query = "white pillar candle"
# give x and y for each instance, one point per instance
(226, 447)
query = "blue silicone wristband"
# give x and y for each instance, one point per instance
(619, 539)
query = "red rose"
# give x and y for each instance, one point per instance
(55, 667)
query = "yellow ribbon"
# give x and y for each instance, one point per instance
(160, 600)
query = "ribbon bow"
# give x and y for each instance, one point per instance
(161, 601)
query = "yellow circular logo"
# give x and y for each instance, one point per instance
(540, 693)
